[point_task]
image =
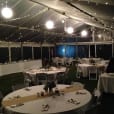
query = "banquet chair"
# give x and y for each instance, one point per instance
(57, 61)
(93, 73)
(60, 77)
(69, 61)
(51, 77)
(26, 75)
(17, 86)
(61, 62)
(79, 72)
(41, 78)
(101, 70)
(27, 79)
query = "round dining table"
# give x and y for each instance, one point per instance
(34, 100)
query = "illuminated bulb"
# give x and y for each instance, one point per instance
(99, 36)
(69, 30)
(106, 3)
(49, 24)
(84, 33)
(63, 21)
(7, 12)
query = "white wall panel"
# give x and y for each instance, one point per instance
(19, 66)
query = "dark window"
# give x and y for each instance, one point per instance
(52, 52)
(83, 51)
(15, 54)
(92, 50)
(37, 52)
(4, 55)
(104, 51)
(27, 53)
(45, 52)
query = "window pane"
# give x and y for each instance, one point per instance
(52, 52)
(37, 52)
(4, 55)
(15, 54)
(83, 51)
(27, 53)
(45, 52)
(92, 51)
(104, 51)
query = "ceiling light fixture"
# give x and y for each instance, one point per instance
(63, 21)
(84, 33)
(99, 36)
(7, 12)
(106, 3)
(49, 24)
(69, 30)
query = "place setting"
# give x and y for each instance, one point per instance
(73, 101)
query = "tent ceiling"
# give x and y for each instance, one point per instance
(30, 16)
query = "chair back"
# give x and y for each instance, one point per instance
(41, 78)
(51, 77)
(93, 72)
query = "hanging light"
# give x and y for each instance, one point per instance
(84, 33)
(7, 12)
(49, 24)
(99, 36)
(63, 21)
(70, 30)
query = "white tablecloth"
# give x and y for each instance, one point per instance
(51, 70)
(106, 83)
(57, 104)
(86, 67)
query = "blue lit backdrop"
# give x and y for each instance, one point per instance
(60, 50)
(66, 51)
